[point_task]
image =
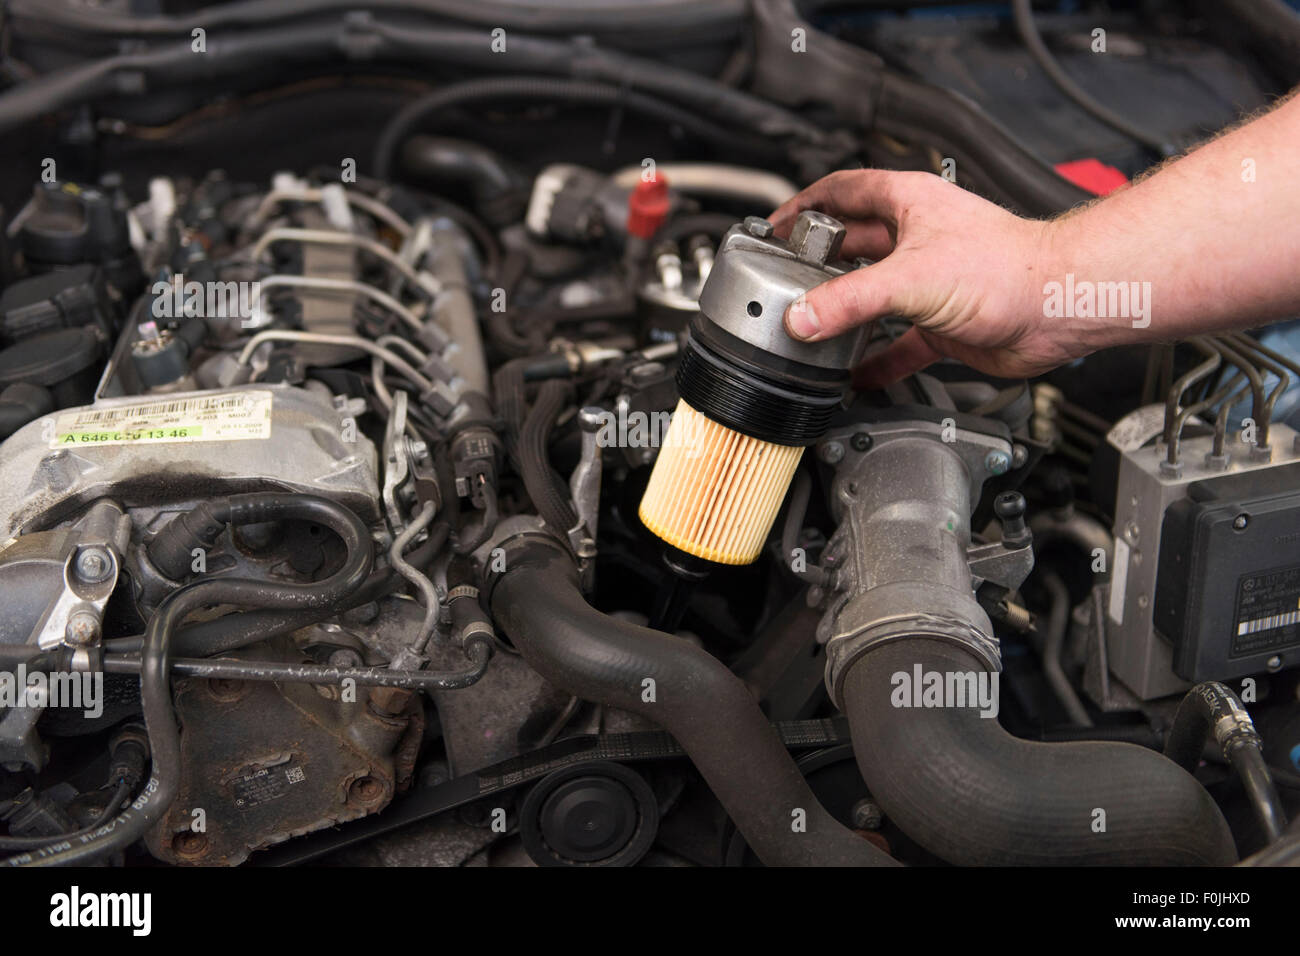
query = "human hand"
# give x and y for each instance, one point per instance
(967, 273)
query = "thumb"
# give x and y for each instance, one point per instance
(846, 301)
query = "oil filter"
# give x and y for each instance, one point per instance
(751, 397)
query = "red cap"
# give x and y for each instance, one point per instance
(1093, 175)
(647, 207)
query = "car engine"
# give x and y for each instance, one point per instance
(404, 461)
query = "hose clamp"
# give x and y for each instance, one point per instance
(887, 614)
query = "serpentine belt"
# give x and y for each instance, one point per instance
(516, 771)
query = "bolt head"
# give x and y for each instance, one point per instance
(758, 227)
(93, 565)
(860, 441)
(997, 462)
(867, 815)
(82, 628)
(816, 237)
(1274, 663)
(831, 452)
(1240, 522)
(1009, 504)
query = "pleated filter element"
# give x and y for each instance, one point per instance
(714, 492)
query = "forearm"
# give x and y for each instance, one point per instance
(1216, 235)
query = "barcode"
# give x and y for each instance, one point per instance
(1267, 623)
(184, 406)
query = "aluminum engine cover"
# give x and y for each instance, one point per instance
(164, 450)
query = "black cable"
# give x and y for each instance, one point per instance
(533, 89)
(119, 795)
(470, 537)
(796, 511)
(1023, 12)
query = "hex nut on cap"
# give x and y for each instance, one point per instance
(816, 237)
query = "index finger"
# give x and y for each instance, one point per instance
(849, 193)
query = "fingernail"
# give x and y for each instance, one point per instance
(801, 321)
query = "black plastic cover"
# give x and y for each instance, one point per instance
(1228, 580)
(56, 300)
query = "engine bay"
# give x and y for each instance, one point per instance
(404, 462)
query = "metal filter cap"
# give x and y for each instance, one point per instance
(739, 366)
(756, 276)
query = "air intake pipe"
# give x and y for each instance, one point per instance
(906, 637)
(536, 600)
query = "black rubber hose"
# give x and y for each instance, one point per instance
(155, 686)
(232, 631)
(548, 492)
(534, 89)
(1212, 710)
(500, 326)
(707, 709)
(623, 20)
(500, 193)
(171, 550)
(1023, 12)
(693, 94)
(157, 67)
(501, 330)
(361, 37)
(961, 786)
(913, 111)
(1058, 622)
(511, 400)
